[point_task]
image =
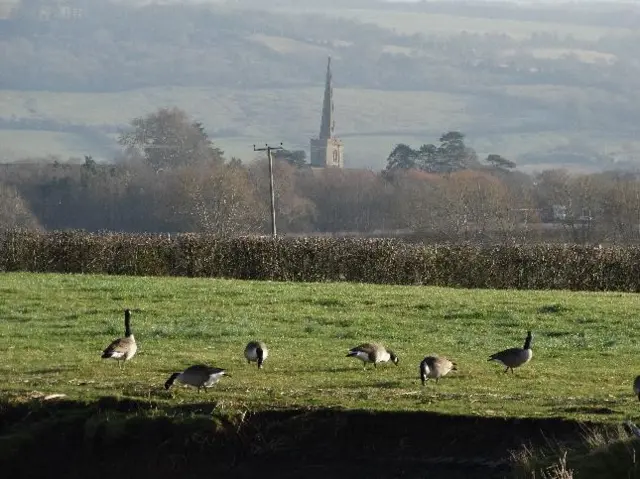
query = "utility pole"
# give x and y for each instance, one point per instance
(268, 149)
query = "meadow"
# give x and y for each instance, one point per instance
(585, 344)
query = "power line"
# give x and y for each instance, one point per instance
(268, 149)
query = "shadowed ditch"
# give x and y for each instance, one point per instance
(76, 439)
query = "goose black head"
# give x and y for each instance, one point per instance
(394, 359)
(170, 381)
(527, 342)
(127, 322)
(260, 354)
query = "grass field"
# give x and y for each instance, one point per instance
(585, 348)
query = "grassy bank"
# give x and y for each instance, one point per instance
(601, 453)
(189, 440)
(585, 348)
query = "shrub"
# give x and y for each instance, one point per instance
(383, 261)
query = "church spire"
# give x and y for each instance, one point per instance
(327, 151)
(327, 125)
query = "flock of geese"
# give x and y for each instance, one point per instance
(202, 376)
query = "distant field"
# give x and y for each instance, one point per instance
(442, 24)
(287, 45)
(300, 109)
(18, 144)
(586, 56)
(585, 348)
(248, 114)
(370, 122)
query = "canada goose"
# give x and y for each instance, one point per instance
(372, 353)
(435, 367)
(634, 429)
(199, 376)
(514, 357)
(636, 387)
(122, 349)
(256, 351)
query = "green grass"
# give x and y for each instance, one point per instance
(585, 348)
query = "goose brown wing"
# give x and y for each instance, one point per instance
(443, 363)
(198, 368)
(365, 348)
(511, 353)
(120, 345)
(202, 369)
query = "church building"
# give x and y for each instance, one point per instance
(327, 151)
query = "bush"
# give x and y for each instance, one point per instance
(383, 261)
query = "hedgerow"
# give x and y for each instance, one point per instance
(383, 261)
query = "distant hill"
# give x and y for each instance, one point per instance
(550, 90)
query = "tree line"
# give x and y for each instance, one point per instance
(171, 177)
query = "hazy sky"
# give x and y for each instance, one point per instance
(632, 2)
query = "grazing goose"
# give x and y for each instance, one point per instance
(514, 357)
(122, 349)
(198, 376)
(636, 387)
(634, 429)
(256, 351)
(435, 367)
(372, 353)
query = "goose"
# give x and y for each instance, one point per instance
(514, 357)
(435, 367)
(636, 387)
(372, 353)
(122, 349)
(256, 351)
(634, 429)
(198, 376)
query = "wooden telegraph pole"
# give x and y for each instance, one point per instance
(268, 149)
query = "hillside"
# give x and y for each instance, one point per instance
(539, 85)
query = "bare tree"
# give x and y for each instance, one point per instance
(215, 199)
(14, 212)
(294, 211)
(478, 205)
(620, 216)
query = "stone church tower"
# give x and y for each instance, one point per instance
(326, 150)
